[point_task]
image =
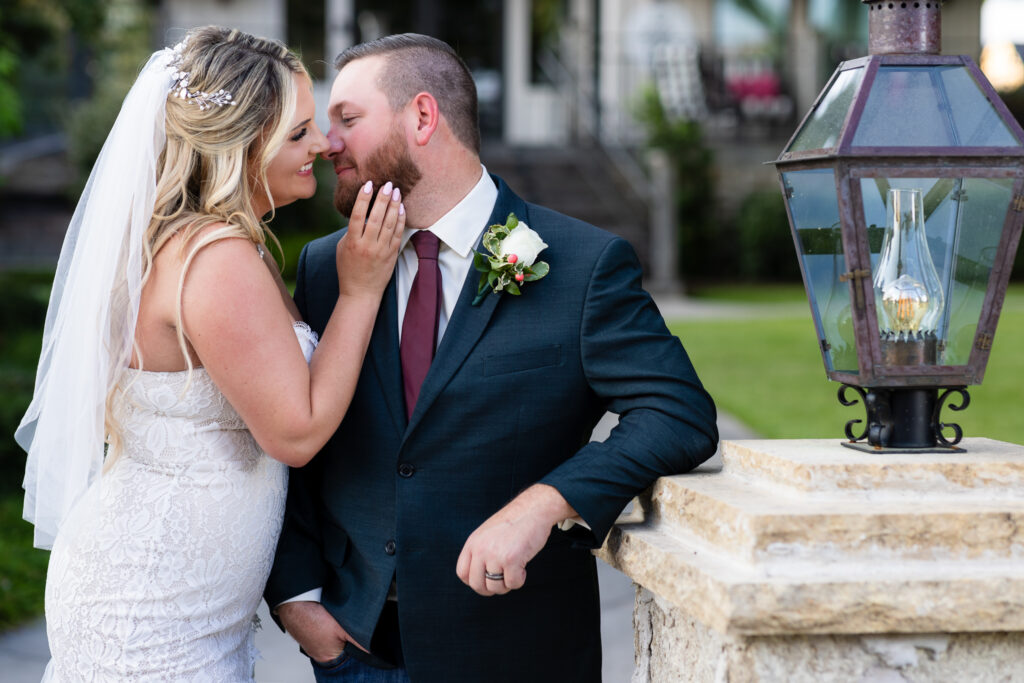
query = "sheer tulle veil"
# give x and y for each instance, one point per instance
(94, 304)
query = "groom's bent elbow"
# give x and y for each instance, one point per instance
(696, 433)
(704, 448)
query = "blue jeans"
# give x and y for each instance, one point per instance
(347, 669)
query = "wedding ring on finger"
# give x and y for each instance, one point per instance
(495, 576)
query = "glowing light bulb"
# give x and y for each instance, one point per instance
(906, 302)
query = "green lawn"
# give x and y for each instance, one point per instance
(752, 294)
(767, 372)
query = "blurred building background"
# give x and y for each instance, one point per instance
(574, 96)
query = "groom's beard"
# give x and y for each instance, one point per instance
(391, 161)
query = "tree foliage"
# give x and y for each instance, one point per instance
(39, 35)
(10, 101)
(121, 47)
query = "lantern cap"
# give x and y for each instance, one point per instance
(907, 27)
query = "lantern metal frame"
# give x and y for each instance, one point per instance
(882, 385)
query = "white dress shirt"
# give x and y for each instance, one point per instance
(459, 231)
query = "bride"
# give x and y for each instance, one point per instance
(173, 364)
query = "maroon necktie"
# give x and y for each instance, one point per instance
(419, 328)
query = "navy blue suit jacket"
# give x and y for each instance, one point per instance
(515, 389)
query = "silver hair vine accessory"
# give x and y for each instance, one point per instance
(179, 85)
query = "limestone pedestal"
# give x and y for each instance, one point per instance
(806, 561)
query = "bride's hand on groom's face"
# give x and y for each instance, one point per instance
(315, 630)
(370, 247)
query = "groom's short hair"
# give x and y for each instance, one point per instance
(416, 63)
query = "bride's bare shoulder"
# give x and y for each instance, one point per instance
(216, 253)
(219, 239)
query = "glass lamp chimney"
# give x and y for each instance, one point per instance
(908, 294)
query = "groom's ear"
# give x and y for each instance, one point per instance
(424, 107)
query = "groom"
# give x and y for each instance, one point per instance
(430, 539)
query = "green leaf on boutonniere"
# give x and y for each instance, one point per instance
(512, 288)
(536, 271)
(481, 262)
(492, 242)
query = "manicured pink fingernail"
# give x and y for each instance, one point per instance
(387, 188)
(396, 195)
(401, 209)
(368, 187)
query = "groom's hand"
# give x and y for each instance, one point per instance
(511, 537)
(318, 634)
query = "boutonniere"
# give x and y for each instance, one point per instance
(513, 260)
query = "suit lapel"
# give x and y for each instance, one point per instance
(468, 322)
(384, 354)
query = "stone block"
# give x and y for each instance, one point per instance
(673, 647)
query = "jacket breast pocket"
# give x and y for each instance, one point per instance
(522, 359)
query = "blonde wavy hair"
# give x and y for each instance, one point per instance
(215, 160)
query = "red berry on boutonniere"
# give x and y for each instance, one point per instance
(512, 258)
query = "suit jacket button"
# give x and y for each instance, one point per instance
(406, 470)
(389, 547)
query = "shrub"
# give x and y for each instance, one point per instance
(698, 241)
(87, 128)
(22, 313)
(765, 243)
(22, 567)
(121, 47)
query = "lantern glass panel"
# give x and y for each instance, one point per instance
(814, 211)
(963, 222)
(823, 126)
(929, 106)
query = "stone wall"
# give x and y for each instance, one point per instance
(807, 561)
(673, 646)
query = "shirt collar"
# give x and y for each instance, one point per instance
(462, 226)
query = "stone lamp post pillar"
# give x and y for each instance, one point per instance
(802, 561)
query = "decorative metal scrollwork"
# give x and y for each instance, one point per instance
(939, 426)
(848, 402)
(903, 419)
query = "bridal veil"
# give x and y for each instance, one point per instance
(94, 304)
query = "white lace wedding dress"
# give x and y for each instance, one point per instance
(159, 570)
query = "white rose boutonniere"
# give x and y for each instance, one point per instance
(513, 260)
(522, 243)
